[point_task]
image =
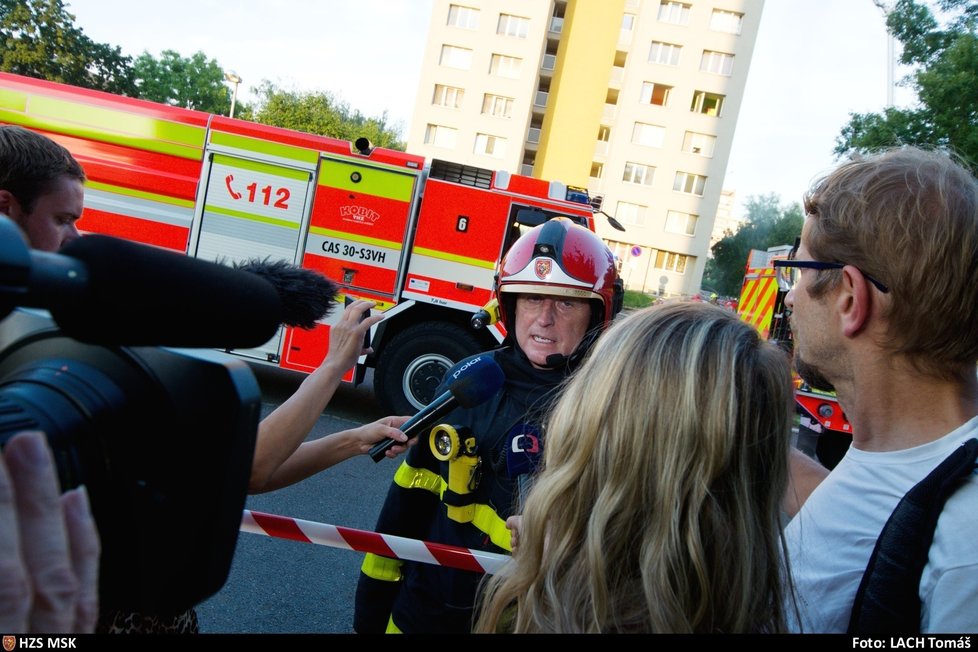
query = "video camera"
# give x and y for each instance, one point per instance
(163, 439)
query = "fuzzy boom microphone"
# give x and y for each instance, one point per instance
(307, 296)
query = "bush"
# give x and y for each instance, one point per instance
(635, 299)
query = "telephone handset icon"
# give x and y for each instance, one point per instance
(227, 182)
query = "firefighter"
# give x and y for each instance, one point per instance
(557, 289)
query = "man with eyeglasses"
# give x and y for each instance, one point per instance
(884, 310)
(557, 288)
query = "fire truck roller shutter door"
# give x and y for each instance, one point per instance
(412, 364)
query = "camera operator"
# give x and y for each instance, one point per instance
(49, 557)
(41, 190)
(41, 187)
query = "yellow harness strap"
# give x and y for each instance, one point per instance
(484, 517)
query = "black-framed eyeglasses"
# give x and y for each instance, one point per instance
(788, 272)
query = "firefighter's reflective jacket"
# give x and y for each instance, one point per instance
(413, 597)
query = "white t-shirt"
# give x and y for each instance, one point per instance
(832, 537)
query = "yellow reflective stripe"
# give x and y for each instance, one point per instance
(264, 147)
(397, 185)
(434, 253)
(380, 568)
(264, 168)
(13, 100)
(139, 194)
(408, 477)
(488, 521)
(230, 212)
(485, 518)
(391, 627)
(103, 124)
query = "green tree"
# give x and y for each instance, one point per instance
(945, 78)
(39, 39)
(769, 223)
(321, 113)
(194, 82)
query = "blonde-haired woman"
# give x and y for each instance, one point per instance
(658, 509)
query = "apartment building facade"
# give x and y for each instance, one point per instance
(635, 100)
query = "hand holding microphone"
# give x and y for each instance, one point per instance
(471, 382)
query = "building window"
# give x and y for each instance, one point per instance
(490, 145)
(726, 21)
(670, 262)
(708, 103)
(657, 94)
(455, 57)
(630, 213)
(690, 184)
(440, 136)
(666, 54)
(450, 96)
(513, 25)
(604, 133)
(464, 17)
(638, 173)
(684, 223)
(597, 169)
(503, 66)
(497, 105)
(700, 144)
(648, 135)
(719, 63)
(674, 12)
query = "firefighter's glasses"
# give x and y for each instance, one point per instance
(789, 271)
(532, 304)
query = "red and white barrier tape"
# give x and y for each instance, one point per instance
(387, 545)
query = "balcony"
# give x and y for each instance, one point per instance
(549, 62)
(526, 170)
(541, 99)
(533, 135)
(609, 113)
(617, 75)
(601, 148)
(556, 25)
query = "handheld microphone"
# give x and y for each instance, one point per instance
(107, 291)
(524, 449)
(472, 382)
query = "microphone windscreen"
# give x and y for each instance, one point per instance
(307, 296)
(473, 381)
(138, 295)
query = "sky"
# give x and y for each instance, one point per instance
(815, 61)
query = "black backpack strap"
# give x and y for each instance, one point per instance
(888, 600)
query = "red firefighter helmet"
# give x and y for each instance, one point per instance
(560, 258)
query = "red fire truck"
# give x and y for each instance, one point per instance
(419, 238)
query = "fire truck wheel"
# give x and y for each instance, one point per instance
(412, 364)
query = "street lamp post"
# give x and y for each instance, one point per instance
(234, 79)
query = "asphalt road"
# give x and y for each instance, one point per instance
(281, 586)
